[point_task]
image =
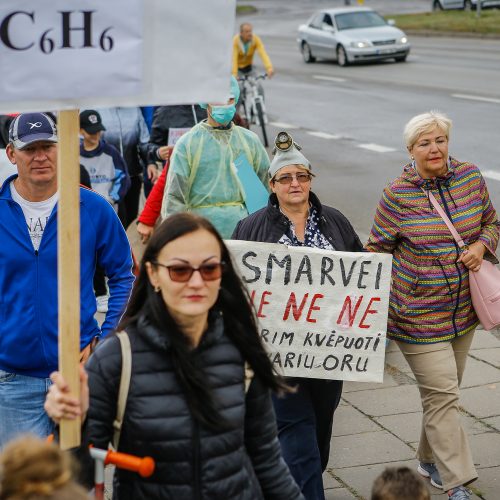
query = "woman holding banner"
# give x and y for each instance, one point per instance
(431, 317)
(295, 216)
(192, 405)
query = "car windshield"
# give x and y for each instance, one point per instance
(353, 20)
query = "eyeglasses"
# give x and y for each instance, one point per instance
(181, 273)
(301, 177)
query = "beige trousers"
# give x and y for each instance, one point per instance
(438, 369)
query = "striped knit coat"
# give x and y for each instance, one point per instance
(430, 298)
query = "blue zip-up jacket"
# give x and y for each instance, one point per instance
(28, 281)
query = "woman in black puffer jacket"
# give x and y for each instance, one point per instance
(191, 330)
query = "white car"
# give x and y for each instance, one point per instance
(463, 4)
(349, 35)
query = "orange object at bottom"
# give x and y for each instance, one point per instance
(143, 466)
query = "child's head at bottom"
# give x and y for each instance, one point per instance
(399, 483)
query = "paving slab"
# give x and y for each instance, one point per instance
(406, 426)
(494, 421)
(491, 355)
(348, 420)
(389, 381)
(486, 449)
(329, 482)
(367, 448)
(473, 426)
(481, 401)
(484, 340)
(479, 373)
(340, 494)
(387, 401)
(488, 483)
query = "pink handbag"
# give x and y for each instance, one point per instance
(484, 284)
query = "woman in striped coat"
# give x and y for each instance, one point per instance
(431, 317)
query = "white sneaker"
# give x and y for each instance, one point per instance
(102, 303)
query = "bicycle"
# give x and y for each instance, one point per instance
(252, 101)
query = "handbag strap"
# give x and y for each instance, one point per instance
(446, 219)
(124, 385)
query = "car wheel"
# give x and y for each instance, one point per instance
(468, 5)
(436, 5)
(342, 56)
(401, 58)
(306, 53)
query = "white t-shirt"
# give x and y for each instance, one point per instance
(36, 213)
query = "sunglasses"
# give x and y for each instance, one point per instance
(181, 273)
(302, 178)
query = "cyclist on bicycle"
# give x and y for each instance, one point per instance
(244, 46)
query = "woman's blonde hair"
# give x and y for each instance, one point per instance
(32, 469)
(423, 124)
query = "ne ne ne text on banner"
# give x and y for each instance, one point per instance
(321, 314)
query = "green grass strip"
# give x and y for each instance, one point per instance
(456, 21)
(245, 9)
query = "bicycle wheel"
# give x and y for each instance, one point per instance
(260, 114)
(248, 117)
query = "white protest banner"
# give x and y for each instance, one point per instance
(54, 50)
(321, 314)
(69, 54)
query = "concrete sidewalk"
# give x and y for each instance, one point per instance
(378, 425)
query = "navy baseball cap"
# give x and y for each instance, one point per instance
(27, 128)
(91, 121)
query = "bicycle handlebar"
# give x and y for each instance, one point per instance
(245, 78)
(143, 466)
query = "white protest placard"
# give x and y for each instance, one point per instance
(69, 54)
(174, 134)
(58, 49)
(321, 314)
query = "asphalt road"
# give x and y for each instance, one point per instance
(350, 120)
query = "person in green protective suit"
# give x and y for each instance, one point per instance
(203, 178)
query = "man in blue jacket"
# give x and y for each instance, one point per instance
(28, 274)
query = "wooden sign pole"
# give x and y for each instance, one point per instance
(68, 264)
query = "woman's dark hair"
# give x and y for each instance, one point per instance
(234, 303)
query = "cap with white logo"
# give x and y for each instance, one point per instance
(91, 121)
(28, 128)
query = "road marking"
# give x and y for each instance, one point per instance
(377, 148)
(476, 98)
(324, 135)
(283, 125)
(329, 78)
(491, 174)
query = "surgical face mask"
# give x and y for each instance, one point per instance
(223, 114)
